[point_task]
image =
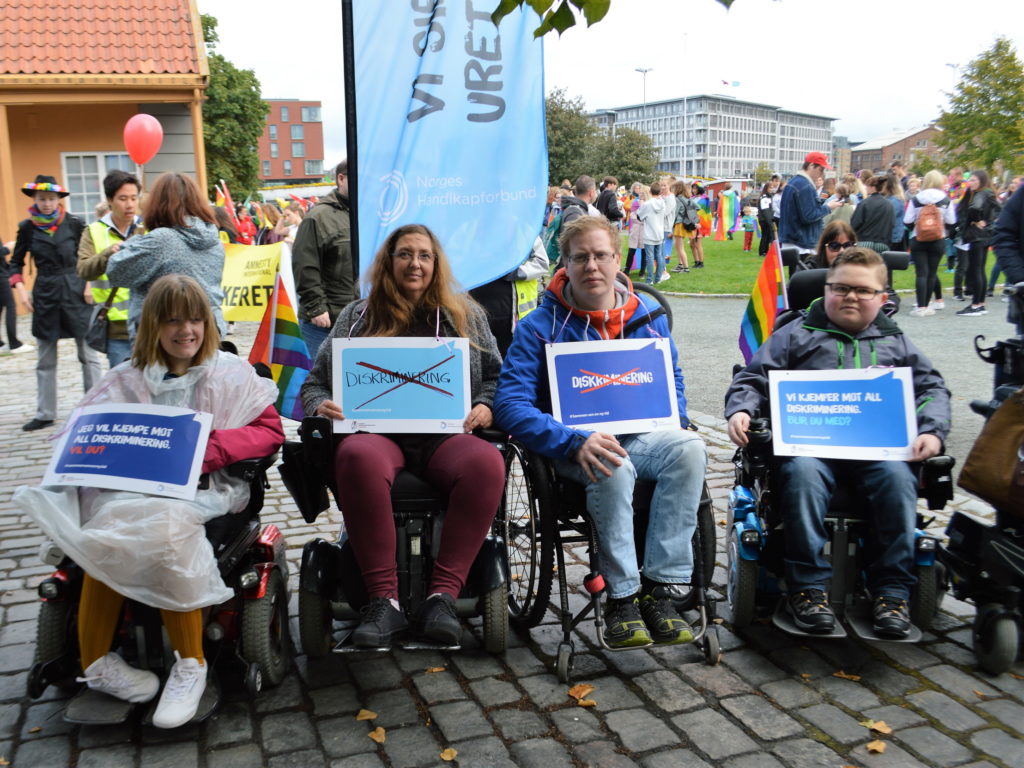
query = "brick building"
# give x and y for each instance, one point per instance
(905, 146)
(291, 149)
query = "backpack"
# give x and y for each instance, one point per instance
(930, 226)
(551, 234)
(686, 214)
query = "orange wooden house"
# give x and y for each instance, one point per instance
(72, 72)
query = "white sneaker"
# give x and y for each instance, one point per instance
(23, 349)
(5, 350)
(112, 675)
(922, 312)
(182, 692)
(937, 304)
(664, 276)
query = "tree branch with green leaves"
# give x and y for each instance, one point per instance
(560, 15)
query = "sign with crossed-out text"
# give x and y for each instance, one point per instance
(401, 384)
(622, 386)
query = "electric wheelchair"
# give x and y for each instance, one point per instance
(248, 632)
(754, 543)
(330, 582)
(985, 559)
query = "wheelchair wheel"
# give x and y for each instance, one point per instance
(996, 639)
(652, 291)
(265, 630)
(924, 599)
(564, 662)
(54, 637)
(527, 523)
(496, 620)
(315, 624)
(742, 583)
(708, 534)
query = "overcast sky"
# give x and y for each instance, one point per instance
(875, 65)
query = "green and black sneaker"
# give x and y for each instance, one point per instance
(624, 625)
(666, 626)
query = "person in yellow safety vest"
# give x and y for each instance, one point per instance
(103, 238)
(505, 308)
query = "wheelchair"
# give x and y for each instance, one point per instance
(542, 512)
(248, 632)
(330, 583)
(985, 560)
(754, 542)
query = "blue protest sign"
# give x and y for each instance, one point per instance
(450, 127)
(152, 449)
(399, 384)
(623, 386)
(847, 414)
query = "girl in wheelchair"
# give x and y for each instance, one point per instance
(413, 293)
(153, 549)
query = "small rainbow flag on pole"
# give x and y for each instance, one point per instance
(727, 214)
(766, 301)
(280, 346)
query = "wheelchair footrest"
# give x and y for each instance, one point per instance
(860, 622)
(784, 621)
(89, 707)
(345, 645)
(207, 704)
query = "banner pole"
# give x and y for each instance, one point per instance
(351, 143)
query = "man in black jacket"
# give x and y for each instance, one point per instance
(608, 201)
(1008, 243)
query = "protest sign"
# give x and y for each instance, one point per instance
(401, 384)
(248, 280)
(154, 449)
(865, 413)
(623, 386)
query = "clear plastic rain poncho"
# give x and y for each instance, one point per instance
(149, 548)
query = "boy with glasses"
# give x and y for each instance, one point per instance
(590, 300)
(846, 329)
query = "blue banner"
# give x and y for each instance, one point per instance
(450, 127)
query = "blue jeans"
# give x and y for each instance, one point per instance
(118, 350)
(654, 254)
(313, 335)
(889, 489)
(676, 460)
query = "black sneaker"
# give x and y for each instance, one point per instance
(811, 612)
(891, 617)
(659, 613)
(958, 297)
(625, 626)
(437, 621)
(970, 311)
(37, 424)
(380, 624)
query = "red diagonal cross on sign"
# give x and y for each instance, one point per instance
(611, 380)
(405, 380)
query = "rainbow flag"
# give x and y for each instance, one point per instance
(280, 346)
(704, 216)
(728, 213)
(766, 301)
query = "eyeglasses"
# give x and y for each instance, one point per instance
(862, 292)
(425, 257)
(834, 246)
(581, 259)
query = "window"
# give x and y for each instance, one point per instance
(83, 175)
(266, 167)
(284, 114)
(272, 132)
(287, 167)
(314, 167)
(311, 114)
(273, 149)
(298, 133)
(298, 149)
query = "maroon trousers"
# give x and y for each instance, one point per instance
(469, 470)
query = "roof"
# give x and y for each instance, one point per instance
(881, 142)
(99, 37)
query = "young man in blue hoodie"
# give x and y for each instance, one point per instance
(589, 299)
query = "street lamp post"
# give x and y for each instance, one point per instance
(644, 72)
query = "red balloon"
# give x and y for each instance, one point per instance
(143, 136)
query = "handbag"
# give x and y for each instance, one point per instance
(994, 470)
(96, 334)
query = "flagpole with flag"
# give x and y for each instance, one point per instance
(767, 299)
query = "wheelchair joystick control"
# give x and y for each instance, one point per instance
(594, 583)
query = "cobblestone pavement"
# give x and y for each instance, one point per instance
(773, 700)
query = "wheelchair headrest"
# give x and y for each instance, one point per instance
(804, 287)
(790, 256)
(896, 259)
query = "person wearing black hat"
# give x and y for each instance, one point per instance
(57, 302)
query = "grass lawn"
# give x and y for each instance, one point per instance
(729, 270)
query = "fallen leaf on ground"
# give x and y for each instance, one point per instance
(365, 714)
(36, 729)
(805, 675)
(718, 620)
(586, 703)
(721, 523)
(846, 676)
(979, 694)
(881, 727)
(867, 723)
(1016, 676)
(4, 761)
(876, 747)
(449, 754)
(580, 690)
(432, 670)
(378, 734)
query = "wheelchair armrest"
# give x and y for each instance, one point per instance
(492, 435)
(317, 435)
(935, 480)
(250, 469)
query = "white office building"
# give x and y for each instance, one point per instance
(719, 136)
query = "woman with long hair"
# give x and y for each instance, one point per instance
(182, 239)
(154, 549)
(927, 255)
(412, 292)
(977, 211)
(835, 238)
(873, 218)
